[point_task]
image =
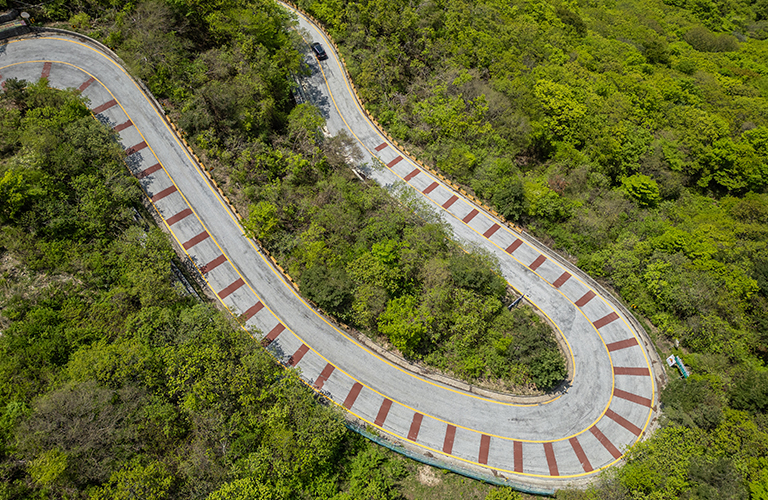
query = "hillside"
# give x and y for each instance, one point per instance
(632, 137)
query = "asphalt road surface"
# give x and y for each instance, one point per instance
(569, 437)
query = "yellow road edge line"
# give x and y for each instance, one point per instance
(230, 210)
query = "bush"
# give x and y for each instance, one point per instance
(642, 189)
(692, 402)
(703, 40)
(750, 391)
(548, 370)
(331, 289)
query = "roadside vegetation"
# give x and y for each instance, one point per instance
(115, 382)
(631, 136)
(381, 265)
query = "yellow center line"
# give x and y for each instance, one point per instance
(216, 194)
(610, 306)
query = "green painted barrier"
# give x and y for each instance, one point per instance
(441, 465)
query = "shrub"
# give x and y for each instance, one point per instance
(548, 370)
(642, 189)
(703, 40)
(331, 289)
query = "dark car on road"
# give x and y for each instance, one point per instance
(319, 51)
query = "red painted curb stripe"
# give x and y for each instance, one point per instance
(580, 454)
(491, 230)
(352, 396)
(415, 426)
(485, 444)
(231, 288)
(162, 194)
(538, 262)
(584, 300)
(272, 335)
(46, 70)
(123, 126)
(450, 201)
(213, 264)
(253, 310)
(514, 246)
(632, 397)
(621, 344)
(608, 318)
(551, 461)
(195, 240)
(179, 216)
(412, 175)
(300, 352)
(86, 84)
(605, 442)
(324, 376)
(518, 456)
(430, 188)
(104, 107)
(148, 171)
(471, 215)
(625, 370)
(381, 146)
(561, 280)
(623, 422)
(395, 161)
(450, 435)
(383, 412)
(135, 149)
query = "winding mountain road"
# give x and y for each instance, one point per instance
(570, 437)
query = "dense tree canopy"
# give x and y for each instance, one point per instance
(631, 136)
(355, 252)
(115, 382)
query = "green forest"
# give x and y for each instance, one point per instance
(632, 137)
(115, 382)
(384, 266)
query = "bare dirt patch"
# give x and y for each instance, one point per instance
(427, 476)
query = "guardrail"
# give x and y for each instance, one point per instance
(650, 347)
(495, 480)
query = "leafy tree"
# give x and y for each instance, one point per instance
(152, 481)
(548, 370)
(544, 203)
(643, 189)
(245, 489)
(262, 222)
(692, 402)
(700, 38)
(48, 467)
(750, 391)
(405, 324)
(474, 272)
(305, 125)
(372, 475)
(573, 19)
(562, 107)
(331, 289)
(509, 199)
